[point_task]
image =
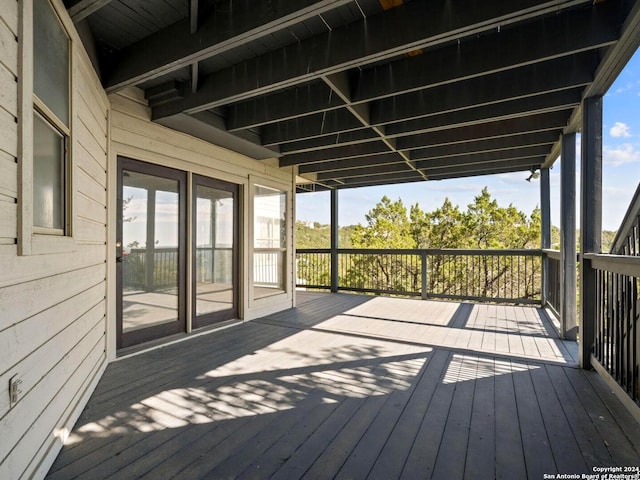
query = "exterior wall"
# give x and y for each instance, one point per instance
(134, 136)
(52, 306)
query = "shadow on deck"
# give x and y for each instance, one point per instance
(349, 386)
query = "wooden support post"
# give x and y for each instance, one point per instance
(335, 228)
(545, 217)
(590, 221)
(568, 281)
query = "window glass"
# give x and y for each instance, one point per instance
(269, 241)
(51, 60)
(48, 175)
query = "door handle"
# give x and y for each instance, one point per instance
(119, 259)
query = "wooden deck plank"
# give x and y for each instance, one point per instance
(352, 411)
(606, 424)
(480, 459)
(450, 460)
(593, 449)
(424, 449)
(509, 454)
(564, 446)
(363, 456)
(351, 386)
(391, 459)
(537, 451)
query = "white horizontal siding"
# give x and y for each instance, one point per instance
(8, 46)
(9, 9)
(52, 306)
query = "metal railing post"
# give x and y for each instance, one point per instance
(424, 272)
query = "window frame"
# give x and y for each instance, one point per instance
(286, 250)
(35, 240)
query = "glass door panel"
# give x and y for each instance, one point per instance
(269, 241)
(151, 252)
(215, 273)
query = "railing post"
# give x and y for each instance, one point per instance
(150, 259)
(568, 283)
(545, 217)
(590, 221)
(424, 272)
(334, 240)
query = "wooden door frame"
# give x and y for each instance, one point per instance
(215, 317)
(151, 333)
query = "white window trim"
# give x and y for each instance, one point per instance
(33, 240)
(286, 188)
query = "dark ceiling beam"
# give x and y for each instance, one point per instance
(290, 103)
(496, 171)
(378, 180)
(521, 107)
(311, 126)
(522, 163)
(381, 179)
(500, 128)
(613, 62)
(80, 9)
(485, 157)
(548, 102)
(344, 138)
(175, 46)
(194, 7)
(554, 75)
(487, 145)
(344, 164)
(414, 25)
(349, 151)
(365, 171)
(341, 84)
(564, 34)
(529, 81)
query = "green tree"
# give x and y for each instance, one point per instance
(388, 226)
(484, 225)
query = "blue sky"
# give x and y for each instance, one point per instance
(621, 172)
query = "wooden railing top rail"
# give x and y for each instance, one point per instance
(627, 223)
(555, 254)
(428, 251)
(622, 264)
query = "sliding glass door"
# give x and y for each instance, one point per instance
(215, 272)
(150, 251)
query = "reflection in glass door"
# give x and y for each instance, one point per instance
(150, 252)
(214, 264)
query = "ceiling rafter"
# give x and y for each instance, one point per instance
(360, 43)
(175, 46)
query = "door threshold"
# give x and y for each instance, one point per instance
(134, 350)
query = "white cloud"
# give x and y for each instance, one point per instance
(620, 129)
(616, 156)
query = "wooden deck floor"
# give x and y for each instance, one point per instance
(348, 386)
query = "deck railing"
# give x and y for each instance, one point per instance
(484, 275)
(554, 281)
(617, 340)
(157, 269)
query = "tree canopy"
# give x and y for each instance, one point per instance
(483, 225)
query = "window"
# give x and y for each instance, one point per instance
(269, 241)
(51, 79)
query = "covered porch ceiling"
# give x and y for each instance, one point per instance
(367, 92)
